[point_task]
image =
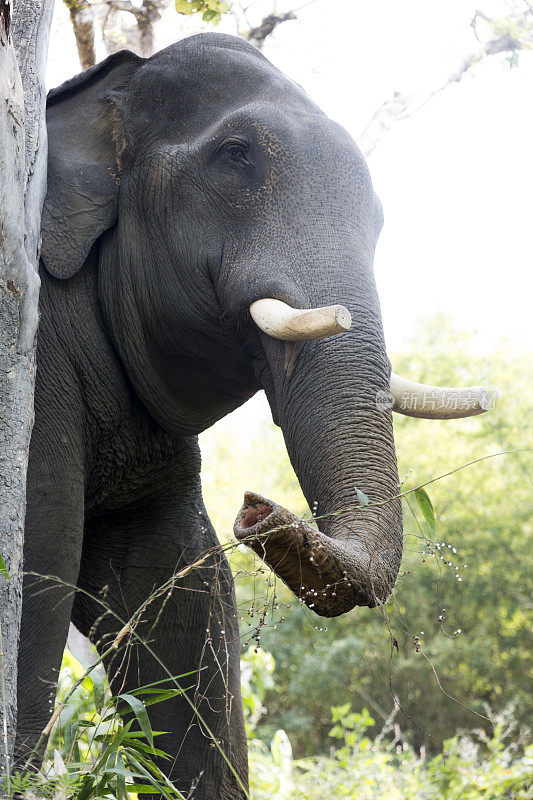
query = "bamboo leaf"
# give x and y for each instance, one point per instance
(155, 691)
(161, 782)
(361, 496)
(86, 790)
(426, 507)
(115, 764)
(150, 686)
(138, 708)
(136, 744)
(98, 690)
(161, 696)
(71, 750)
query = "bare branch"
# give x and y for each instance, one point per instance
(127, 7)
(513, 33)
(268, 25)
(259, 33)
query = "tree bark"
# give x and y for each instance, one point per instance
(24, 42)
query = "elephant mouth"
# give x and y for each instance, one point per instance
(311, 564)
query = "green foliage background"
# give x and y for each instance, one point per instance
(463, 632)
(100, 756)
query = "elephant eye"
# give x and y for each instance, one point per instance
(237, 151)
(238, 154)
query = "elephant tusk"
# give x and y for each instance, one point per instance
(279, 320)
(437, 402)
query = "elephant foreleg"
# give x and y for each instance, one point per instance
(53, 542)
(190, 627)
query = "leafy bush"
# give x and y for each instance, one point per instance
(362, 769)
(94, 753)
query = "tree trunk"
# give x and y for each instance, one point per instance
(131, 26)
(81, 16)
(24, 42)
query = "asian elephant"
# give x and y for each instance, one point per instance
(183, 189)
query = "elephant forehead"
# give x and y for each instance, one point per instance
(202, 76)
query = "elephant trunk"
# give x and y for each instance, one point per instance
(341, 445)
(326, 574)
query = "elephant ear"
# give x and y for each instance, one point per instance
(85, 143)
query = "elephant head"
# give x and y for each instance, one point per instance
(233, 227)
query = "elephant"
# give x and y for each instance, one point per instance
(207, 232)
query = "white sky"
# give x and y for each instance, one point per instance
(455, 180)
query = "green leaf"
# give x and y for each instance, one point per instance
(361, 496)
(140, 712)
(149, 686)
(111, 769)
(136, 744)
(101, 785)
(115, 764)
(426, 507)
(158, 779)
(110, 744)
(337, 732)
(338, 712)
(3, 568)
(162, 696)
(98, 690)
(86, 790)
(71, 750)
(211, 10)
(154, 691)
(113, 741)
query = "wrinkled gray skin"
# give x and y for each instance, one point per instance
(182, 188)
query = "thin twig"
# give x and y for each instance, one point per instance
(377, 503)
